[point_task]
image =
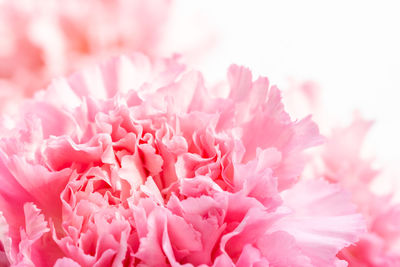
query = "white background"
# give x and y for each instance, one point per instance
(350, 48)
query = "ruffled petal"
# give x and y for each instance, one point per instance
(323, 220)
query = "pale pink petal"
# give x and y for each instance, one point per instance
(66, 262)
(323, 220)
(250, 229)
(251, 256)
(281, 249)
(255, 179)
(5, 243)
(387, 223)
(240, 82)
(32, 250)
(150, 251)
(290, 138)
(342, 154)
(54, 121)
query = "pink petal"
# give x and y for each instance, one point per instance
(323, 220)
(281, 249)
(66, 262)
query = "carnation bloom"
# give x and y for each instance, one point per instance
(49, 38)
(343, 163)
(136, 162)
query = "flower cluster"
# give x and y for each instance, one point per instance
(137, 162)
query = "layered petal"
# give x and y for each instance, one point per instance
(140, 165)
(323, 220)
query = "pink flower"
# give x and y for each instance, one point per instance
(340, 161)
(135, 162)
(48, 39)
(343, 164)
